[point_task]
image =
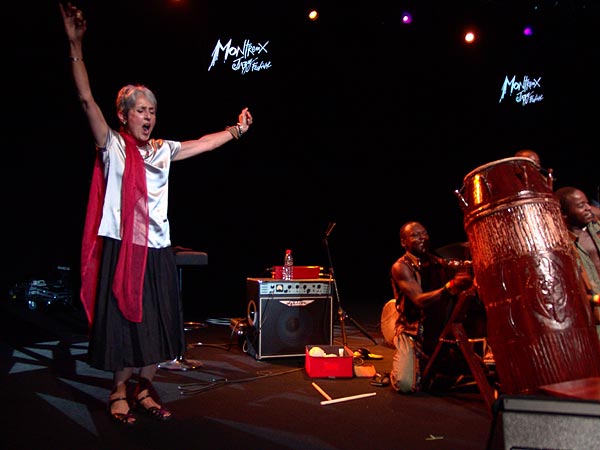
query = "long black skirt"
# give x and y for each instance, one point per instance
(117, 343)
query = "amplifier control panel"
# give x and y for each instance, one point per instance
(272, 287)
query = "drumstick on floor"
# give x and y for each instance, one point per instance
(328, 400)
(345, 399)
(321, 391)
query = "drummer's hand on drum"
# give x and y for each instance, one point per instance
(461, 282)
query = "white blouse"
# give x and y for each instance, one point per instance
(157, 155)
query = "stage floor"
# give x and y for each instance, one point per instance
(54, 400)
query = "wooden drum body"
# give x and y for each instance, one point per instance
(540, 327)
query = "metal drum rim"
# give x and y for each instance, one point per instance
(499, 161)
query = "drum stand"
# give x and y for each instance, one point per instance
(454, 333)
(343, 315)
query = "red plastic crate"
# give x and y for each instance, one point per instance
(329, 367)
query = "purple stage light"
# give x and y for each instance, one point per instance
(406, 18)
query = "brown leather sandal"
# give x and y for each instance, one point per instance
(127, 418)
(158, 413)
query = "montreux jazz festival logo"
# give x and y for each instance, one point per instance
(247, 58)
(525, 91)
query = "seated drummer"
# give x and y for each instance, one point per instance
(426, 288)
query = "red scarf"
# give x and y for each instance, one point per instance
(129, 275)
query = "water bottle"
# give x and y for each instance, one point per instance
(288, 266)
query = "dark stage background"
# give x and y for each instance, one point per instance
(359, 120)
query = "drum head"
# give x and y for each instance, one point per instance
(499, 162)
(389, 315)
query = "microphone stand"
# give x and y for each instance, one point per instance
(343, 315)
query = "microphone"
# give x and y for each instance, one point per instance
(330, 228)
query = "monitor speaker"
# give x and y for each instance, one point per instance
(540, 423)
(284, 326)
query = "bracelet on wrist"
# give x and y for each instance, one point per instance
(75, 59)
(235, 131)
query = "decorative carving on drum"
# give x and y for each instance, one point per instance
(540, 327)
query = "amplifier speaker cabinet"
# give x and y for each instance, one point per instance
(540, 423)
(286, 316)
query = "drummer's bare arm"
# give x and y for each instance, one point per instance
(406, 282)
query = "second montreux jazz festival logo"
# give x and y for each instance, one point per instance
(525, 91)
(248, 57)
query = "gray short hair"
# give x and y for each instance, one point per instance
(129, 94)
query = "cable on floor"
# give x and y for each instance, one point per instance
(203, 386)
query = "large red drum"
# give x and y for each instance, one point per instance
(540, 326)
